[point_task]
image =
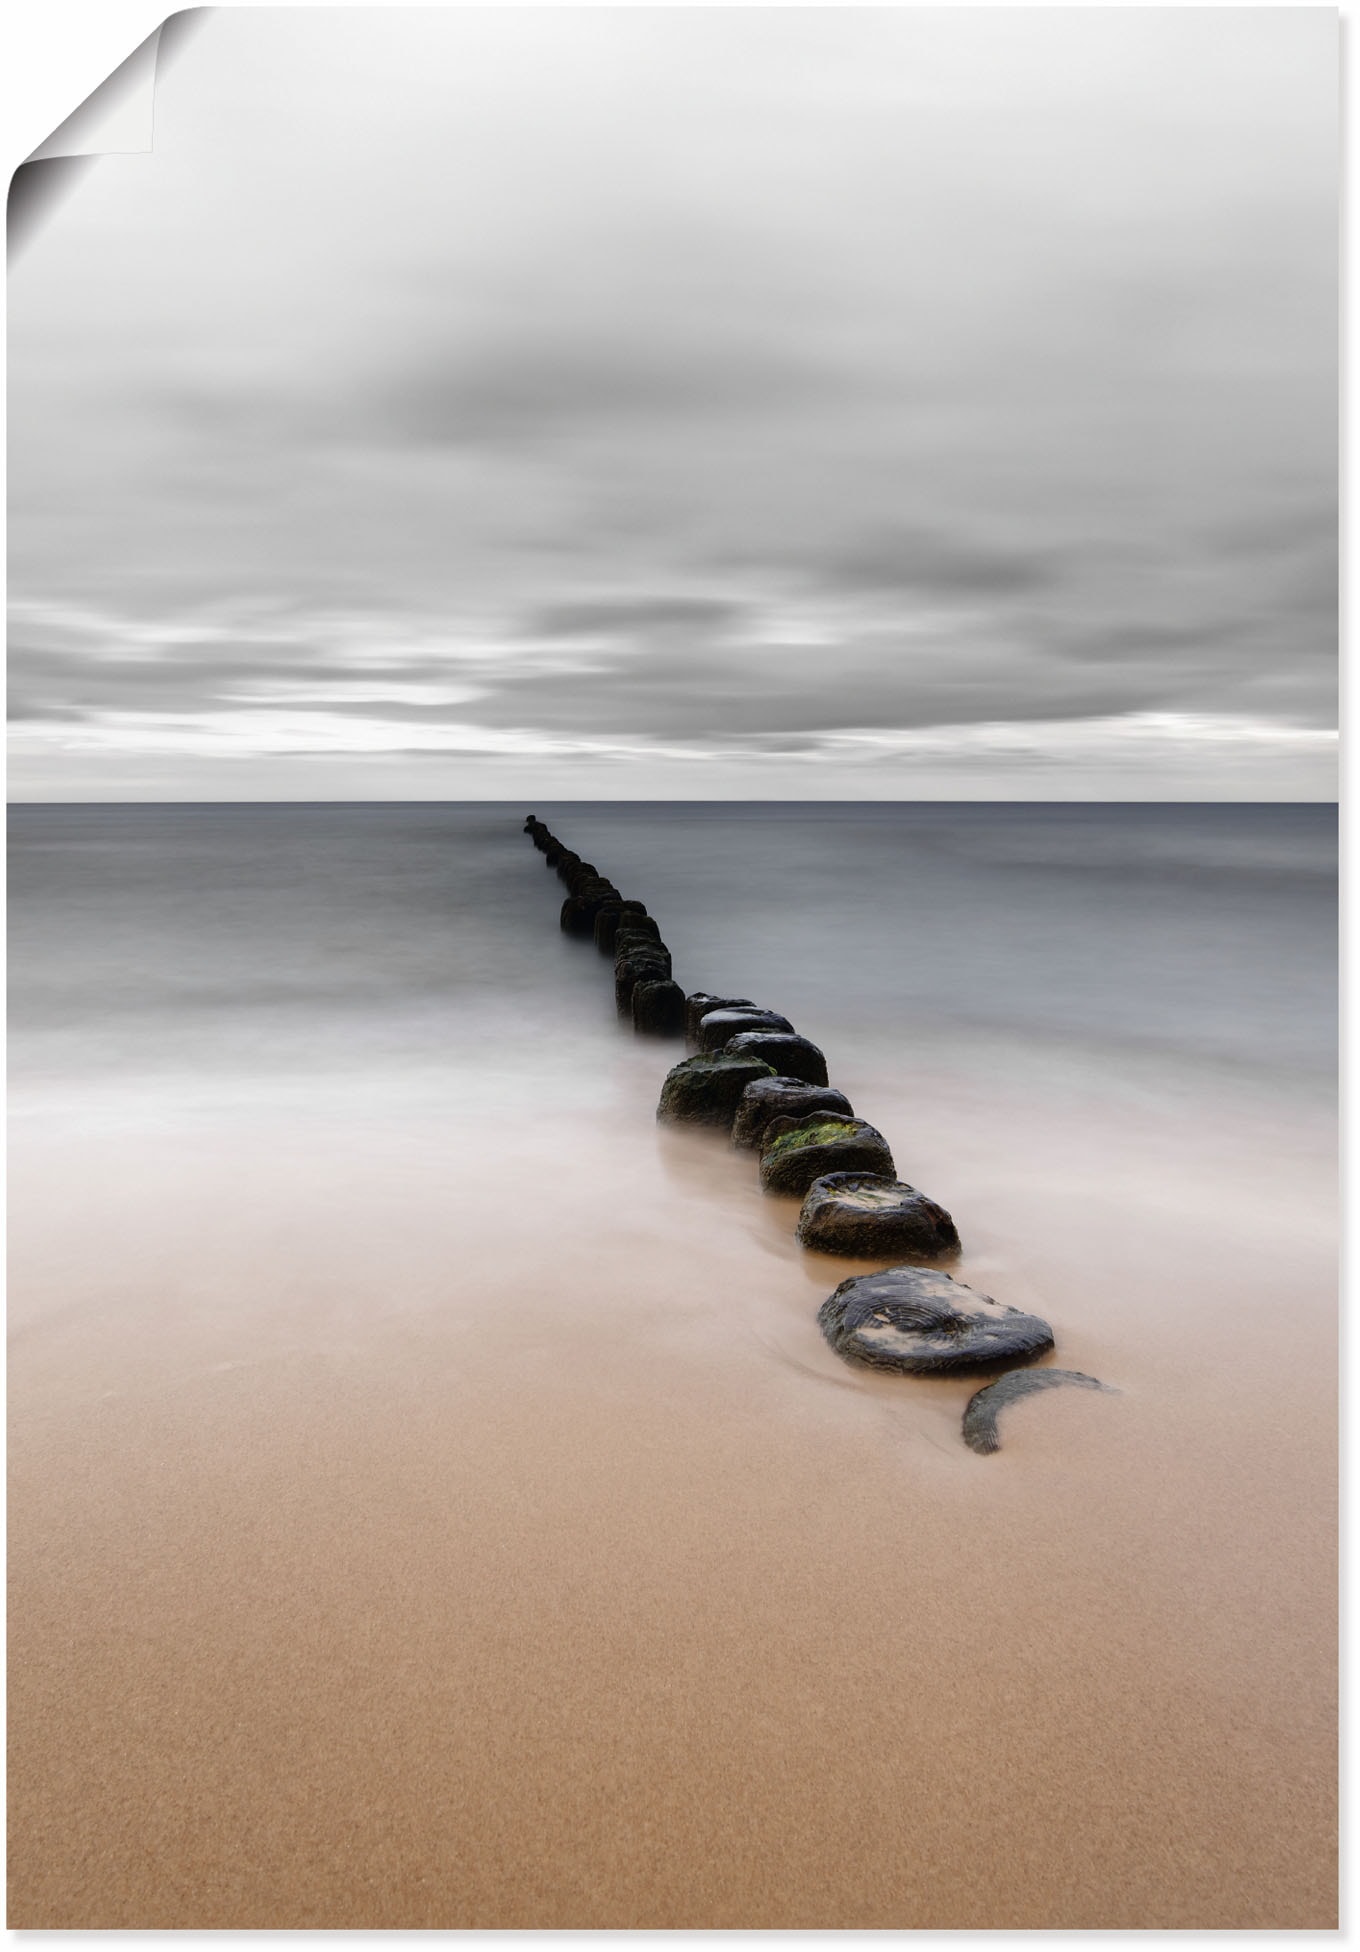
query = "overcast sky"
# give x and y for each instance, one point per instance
(773, 402)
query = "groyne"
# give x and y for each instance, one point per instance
(754, 1077)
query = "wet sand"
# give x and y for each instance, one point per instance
(430, 1520)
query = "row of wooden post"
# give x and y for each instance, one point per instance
(755, 1077)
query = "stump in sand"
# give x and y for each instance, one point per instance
(700, 1003)
(979, 1419)
(705, 1090)
(659, 1009)
(630, 923)
(628, 946)
(579, 912)
(717, 1026)
(874, 1217)
(631, 942)
(611, 919)
(633, 939)
(770, 1098)
(923, 1323)
(795, 1152)
(653, 966)
(606, 924)
(791, 1056)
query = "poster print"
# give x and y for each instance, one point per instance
(672, 976)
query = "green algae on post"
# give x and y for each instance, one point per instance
(795, 1155)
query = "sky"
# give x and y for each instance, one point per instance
(783, 403)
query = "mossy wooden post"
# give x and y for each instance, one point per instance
(706, 1089)
(798, 1151)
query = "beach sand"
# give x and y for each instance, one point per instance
(430, 1517)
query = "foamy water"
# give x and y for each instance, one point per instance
(433, 1503)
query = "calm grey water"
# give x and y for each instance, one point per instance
(265, 942)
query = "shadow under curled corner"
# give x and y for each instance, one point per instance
(116, 120)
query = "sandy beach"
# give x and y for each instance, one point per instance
(433, 1505)
(865, 479)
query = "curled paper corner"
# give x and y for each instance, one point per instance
(117, 119)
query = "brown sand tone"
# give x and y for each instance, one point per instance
(388, 1556)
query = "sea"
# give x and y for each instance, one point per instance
(263, 942)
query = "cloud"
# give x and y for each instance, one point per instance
(629, 616)
(45, 711)
(1124, 742)
(941, 564)
(661, 670)
(685, 378)
(539, 389)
